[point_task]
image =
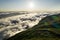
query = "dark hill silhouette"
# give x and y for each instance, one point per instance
(46, 29)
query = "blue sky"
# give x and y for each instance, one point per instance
(25, 5)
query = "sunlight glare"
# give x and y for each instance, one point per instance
(31, 5)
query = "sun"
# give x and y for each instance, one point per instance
(31, 5)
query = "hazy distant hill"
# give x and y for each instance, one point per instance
(9, 14)
(47, 29)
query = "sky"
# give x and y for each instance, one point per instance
(29, 5)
